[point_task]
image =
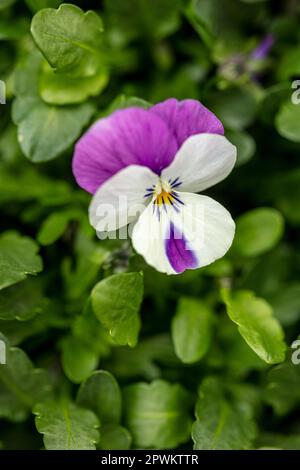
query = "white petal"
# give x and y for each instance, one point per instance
(148, 238)
(202, 161)
(206, 225)
(120, 200)
(204, 232)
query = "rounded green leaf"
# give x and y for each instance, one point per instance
(101, 394)
(22, 301)
(191, 329)
(288, 121)
(222, 422)
(78, 359)
(65, 426)
(115, 438)
(286, 304)
(21, 384)
(18, 258)
(69, 38)
(258, 231)
(54, 226)
(64, 88)
(257, 325)
(116, 302)
(235, 107)
(245, 145)
(282, 388)
(157, 415)
(44, 131)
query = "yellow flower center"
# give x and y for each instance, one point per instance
(163, 193)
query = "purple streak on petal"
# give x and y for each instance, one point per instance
(178, 253)
(132, 136)
(187, 117)
(263, 48)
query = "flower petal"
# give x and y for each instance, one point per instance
(206, 225)
(120, 200)
(188, 117)
(148, 238)
(202, 161)
(195, 235)
(178, 251)
(132, 136)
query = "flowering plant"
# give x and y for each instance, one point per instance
(149, 245)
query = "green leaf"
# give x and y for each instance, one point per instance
(56, 224)
(22, 301)
(156, 414)
(123, 102)
(258, 231)
(133, 18)
(79, 360)
(257, 325)
(69, 38)
(86, 326)
(266, 274)
(245, 145)
(44, 131)
(191, 329)
(18, 258)
(286, 304)
(115, 438)
(289, 64)
(213, 23)
(64, 88)
(221, 423)
(101, 394)
(89, 258)
(235, 107)
(282, 388)
(145, 359)
(21, 385)
(286, 187)
(116, 301)
(287, 121)
(65, 426)
(236, 354)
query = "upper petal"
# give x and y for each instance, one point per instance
(132, 136)
(120, 200)
(202, 161)
(186, 118)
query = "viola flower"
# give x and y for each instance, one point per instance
(157, 160)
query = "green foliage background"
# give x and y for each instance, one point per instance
(102, 351)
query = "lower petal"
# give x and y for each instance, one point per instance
(206, 225)
(192, 235)
(148, 238)
(178, 251)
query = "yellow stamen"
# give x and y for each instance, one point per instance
(164, 197)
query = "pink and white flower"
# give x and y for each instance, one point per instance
(156, 160)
